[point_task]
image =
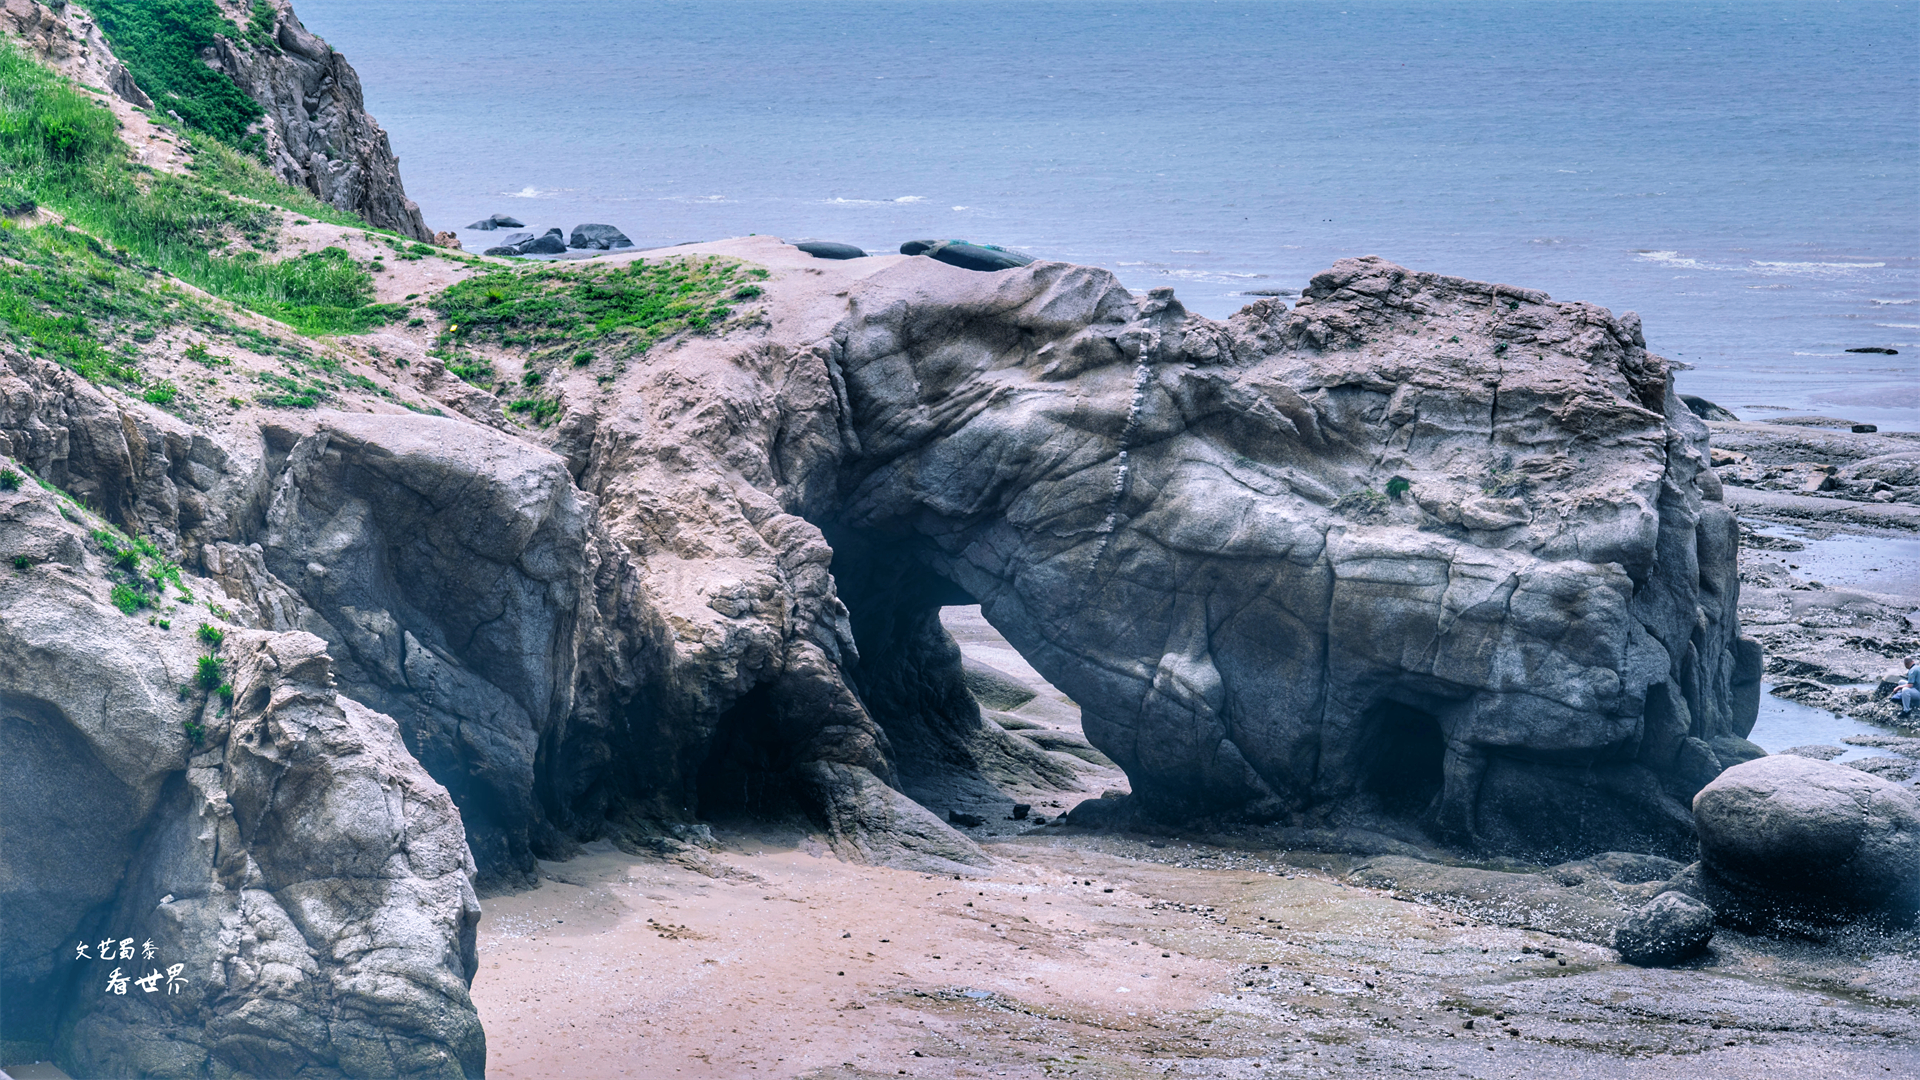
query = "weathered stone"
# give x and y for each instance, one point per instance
(1799, 839)
(1672, 927)
(1329, 656)
(288, 852)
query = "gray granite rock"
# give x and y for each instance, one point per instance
(1672, 927)
(1809, 839)
(318, 134)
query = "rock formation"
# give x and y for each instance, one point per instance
(276, 841)
(71, 43)
(598, 238)
(1424, 555)
(1419, 548)
(317, 130)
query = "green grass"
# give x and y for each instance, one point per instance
(208, 228)
(210, 672)
(559, 310)
(160, 42)
(290, 393)
(540, 410)
(9, 480)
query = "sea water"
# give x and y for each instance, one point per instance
(1745, 175)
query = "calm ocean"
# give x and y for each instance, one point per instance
(1746, 175)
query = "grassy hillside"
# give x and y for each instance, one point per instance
(160, 42)
(66, 289)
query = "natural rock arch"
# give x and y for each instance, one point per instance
(1185, 526)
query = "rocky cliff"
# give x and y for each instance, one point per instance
(317, 131)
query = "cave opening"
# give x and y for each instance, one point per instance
(1405, 765)
(947, 718)
(745, 772)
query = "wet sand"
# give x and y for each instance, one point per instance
(1088, 955)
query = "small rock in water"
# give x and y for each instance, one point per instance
(548, 243)
(497, 221)
(1865, 429)
(1672, 927)
(598, 238)
(1877, 349)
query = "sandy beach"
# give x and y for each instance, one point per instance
(1089, 955)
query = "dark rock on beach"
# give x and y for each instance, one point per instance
(1706, 410)
(1672, 927)
(598, 238)
(966, 255)
(828, 249)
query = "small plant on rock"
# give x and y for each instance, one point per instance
(1398, 486)
(21, 562)
(211, 672)
(127, 600)
(211, 636)
(9, 480)
(196, 731)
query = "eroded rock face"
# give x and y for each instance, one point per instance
(308, 876)
(318, 133)
(1419, 548)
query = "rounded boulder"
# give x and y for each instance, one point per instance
(1799, 827)
(1670, 928)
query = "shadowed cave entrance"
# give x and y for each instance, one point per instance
(1404, 766)
(963, 737)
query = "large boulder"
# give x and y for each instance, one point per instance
(1790, 838)
(598, 238)
(1671, 927)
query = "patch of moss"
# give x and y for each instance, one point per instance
(633, 305)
